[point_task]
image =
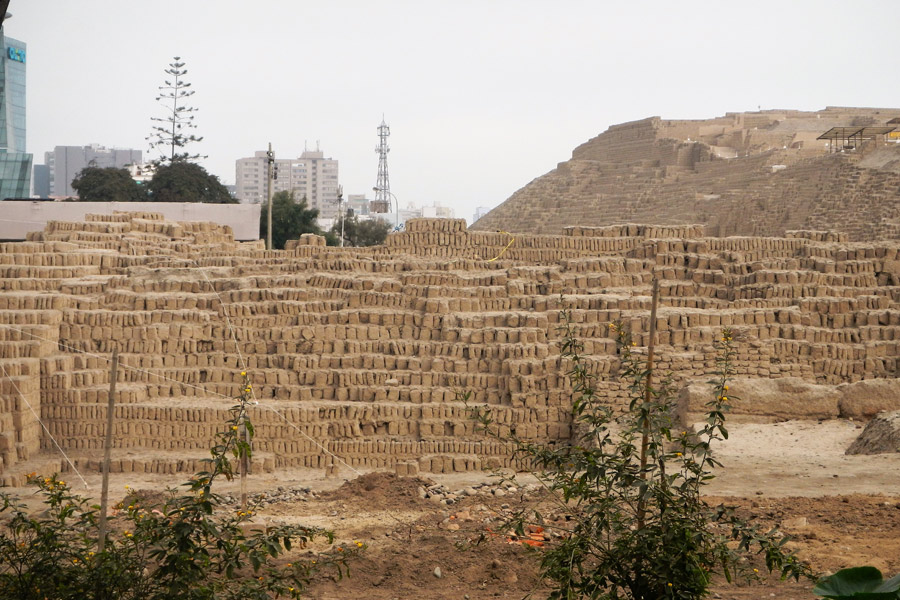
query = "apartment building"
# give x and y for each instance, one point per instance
(311, 175)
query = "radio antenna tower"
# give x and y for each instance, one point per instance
(383, 187)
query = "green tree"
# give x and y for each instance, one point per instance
(109, 184)
(631, 486)
(290, 219)
(370, 232)
(183, 181)
(171, 133)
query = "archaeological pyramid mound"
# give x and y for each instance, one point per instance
(754, 173)
(357, 355)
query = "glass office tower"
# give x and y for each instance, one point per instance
(15, 164)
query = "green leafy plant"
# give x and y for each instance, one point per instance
(859, 583)
(190, 546)
(631, 486)
(291, 218)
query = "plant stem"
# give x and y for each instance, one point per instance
(107, 449)
(648, 391)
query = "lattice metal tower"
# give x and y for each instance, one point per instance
(383, 187)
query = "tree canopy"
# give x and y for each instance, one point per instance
(290, 219)
(109, 184)
(370, 232)
(183, 181)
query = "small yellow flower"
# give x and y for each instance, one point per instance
(243, 373)
(678, 454)
(359, 544)
(669, 584)
(234, 428)
(725, 388)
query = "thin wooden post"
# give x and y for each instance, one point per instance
(245, 464)
(107, 448)
(648, 391)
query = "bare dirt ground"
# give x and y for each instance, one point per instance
(840, 511)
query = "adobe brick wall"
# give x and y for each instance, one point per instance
(362, 351)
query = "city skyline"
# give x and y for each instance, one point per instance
(481, 97)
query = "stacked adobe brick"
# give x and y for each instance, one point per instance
(359, 354)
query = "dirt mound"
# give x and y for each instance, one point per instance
(431, 563)
(380, 490)
(882, 434)
(147, 499)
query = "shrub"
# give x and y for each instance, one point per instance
(189, 547)
(632, 487)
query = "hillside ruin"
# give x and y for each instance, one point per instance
(751, 173)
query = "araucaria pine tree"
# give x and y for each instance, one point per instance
(170, 134)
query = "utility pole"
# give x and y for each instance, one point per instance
(341, 211)
(270, 157)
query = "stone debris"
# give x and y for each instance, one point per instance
(881, 434)
(280, 495)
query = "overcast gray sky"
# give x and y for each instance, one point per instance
(482, 96)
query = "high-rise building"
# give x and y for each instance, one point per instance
(311, 176)
(66, 162)
(15, 163)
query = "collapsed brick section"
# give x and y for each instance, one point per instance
(362, 351)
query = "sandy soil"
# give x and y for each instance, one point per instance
(840, 511)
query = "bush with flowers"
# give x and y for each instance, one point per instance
(189, 547)
(631, 487)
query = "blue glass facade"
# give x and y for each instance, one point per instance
(15, 164)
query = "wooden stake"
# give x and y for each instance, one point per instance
(648, 390)
(245, 466)
(107, 448)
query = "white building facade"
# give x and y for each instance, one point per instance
(311, 176)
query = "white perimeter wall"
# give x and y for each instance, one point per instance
(18, 217)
